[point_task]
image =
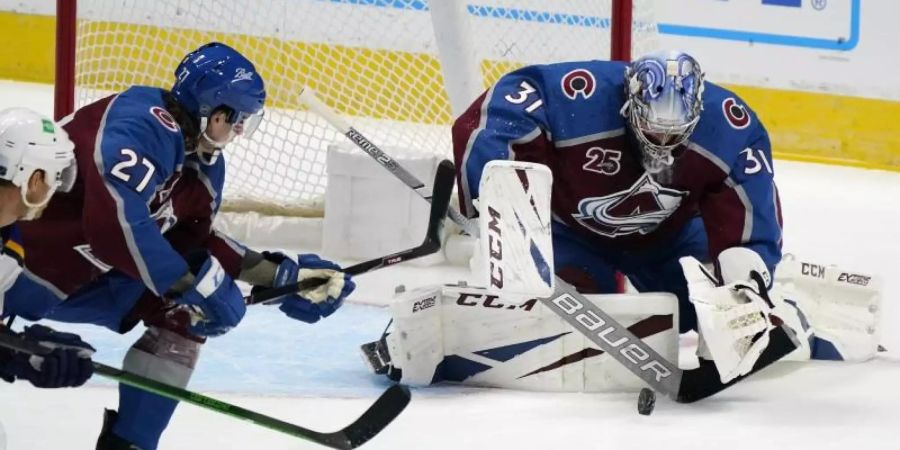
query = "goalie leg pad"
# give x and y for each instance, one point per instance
(842, 308)
(471, 336)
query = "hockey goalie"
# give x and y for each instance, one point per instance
(498, 334)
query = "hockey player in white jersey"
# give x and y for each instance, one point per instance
(36, 159)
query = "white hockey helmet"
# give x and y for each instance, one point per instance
(30, 142)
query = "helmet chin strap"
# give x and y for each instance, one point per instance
(209, 157)
(34, 208)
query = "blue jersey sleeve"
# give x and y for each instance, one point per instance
(135, 156)
(746, 210)
(508, 121)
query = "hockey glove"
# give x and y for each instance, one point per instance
(734, 312)
(310, 305)
(67, 365)
(215, 294)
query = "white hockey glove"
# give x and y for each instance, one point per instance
(733, 314)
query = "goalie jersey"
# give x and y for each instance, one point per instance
(567, 116)
(139, 204)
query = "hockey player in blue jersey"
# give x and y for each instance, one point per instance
(133, 241)
(650, 162)
(36, 159)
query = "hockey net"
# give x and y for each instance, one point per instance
(377, 62)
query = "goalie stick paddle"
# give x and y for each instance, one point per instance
(440, 202)
(388, 406)
(683, 386)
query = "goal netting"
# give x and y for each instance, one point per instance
(387, 65)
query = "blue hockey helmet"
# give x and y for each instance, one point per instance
(216, 76)
(663, 103)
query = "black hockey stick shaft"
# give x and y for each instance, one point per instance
(440, 202)
(388, 406)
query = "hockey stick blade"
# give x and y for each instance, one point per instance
(440, 202)
(388, 406)
(391, 403)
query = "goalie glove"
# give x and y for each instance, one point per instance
(310, 305)
(733, 313)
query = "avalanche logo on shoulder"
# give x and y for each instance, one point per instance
(578, 82)
(736, 113)
(639, 209)
(164, 118)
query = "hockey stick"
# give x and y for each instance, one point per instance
(388, 406)
(440, 202)
(683, 386)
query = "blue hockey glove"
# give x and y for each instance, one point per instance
(68, 364)
(312, 304)
(215, 294)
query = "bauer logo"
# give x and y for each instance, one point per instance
(616, 339)
(852, 278)
(422, 305)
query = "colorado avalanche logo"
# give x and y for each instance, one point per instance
(164, 118)
(737, 114)
(638, 210)
(578, 82)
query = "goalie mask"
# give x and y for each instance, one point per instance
(31, 142)
(216, 77)
(663, 104)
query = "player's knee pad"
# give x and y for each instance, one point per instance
(163, 355)
(838, 311)
(466, 335)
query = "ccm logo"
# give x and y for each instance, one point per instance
(422, 305)
(813, 270)
(495, 248)
(852, 278)
(490, 301)
(631, 350)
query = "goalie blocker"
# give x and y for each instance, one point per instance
(468, 335)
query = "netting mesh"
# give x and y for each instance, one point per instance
(376, 62)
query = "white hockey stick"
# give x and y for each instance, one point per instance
(684, 386)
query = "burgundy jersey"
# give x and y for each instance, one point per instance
(139, 204)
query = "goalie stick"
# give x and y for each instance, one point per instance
(388, 406)
(683, 386)
(440, 202)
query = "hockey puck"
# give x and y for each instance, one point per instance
(646, 402)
